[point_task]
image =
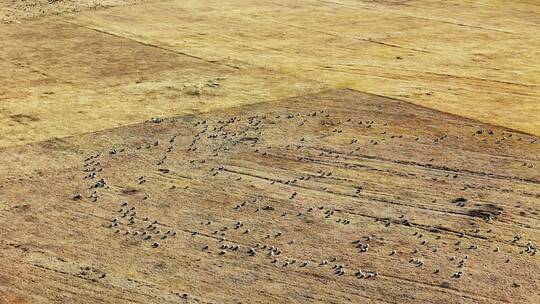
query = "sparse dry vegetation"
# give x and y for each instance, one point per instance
(231, 152)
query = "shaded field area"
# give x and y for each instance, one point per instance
(333, 197)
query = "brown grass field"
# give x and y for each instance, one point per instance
(269, 151)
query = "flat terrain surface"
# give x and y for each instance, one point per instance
(269, 151)
(276, 201)
(15, 11)
(121, 62)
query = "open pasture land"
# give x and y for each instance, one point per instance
(254, 151)
(337, 197)
(117, 63)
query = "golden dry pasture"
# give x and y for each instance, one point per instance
(269, 151)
